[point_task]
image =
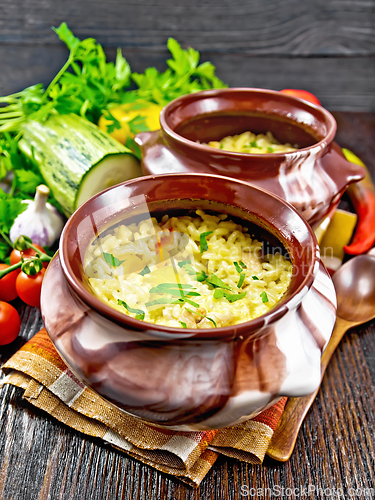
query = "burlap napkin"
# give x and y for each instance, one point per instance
(49, 385)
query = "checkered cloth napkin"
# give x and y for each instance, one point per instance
(49, 385)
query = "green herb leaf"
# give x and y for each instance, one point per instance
(183, 324)
(203, 241)
(27, 180)
(238, 267)
(164, 300)
(231, 297)
(241, 280)
(186, 264)
(255, 278)
(139, 314)
(145, 270)
(202, 276)
(216, 282)
(112, 260)
(10, 208)
(264, 297)
(212, 321)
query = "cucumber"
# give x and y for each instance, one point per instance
(76, 158)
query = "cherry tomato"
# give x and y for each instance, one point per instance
(29, 287)
(302, 94)
(8, 290)
(10, 323)
(15, 255)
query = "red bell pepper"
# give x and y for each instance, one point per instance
(362, 195)
(302, 94)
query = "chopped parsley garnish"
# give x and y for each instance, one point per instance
(255, 278)
(238, 267)
(216, 282)
(241, 280)
(139, 314)
(203, 316)
(202, 276)
(264, 297)
(186, 264)
(112, 260)
(183, 324)
(269, 150)
(231, 297)
(145, 270)
(203, 241)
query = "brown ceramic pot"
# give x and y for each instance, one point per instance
(185, 378)
(312, 178)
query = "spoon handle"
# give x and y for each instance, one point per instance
(285, 436)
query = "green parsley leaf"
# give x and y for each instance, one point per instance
(216, 282)
(255, 278)
(203, 241)
(145, 270)
(139, 314)
(112, 260)
(10, 208)
(241, 280)
(202, 276)
(231, 297)
(238, 267)
(183, 324)
(203, 316)
(27, 180)
(186, 264)
(264, 297)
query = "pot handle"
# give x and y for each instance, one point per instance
(144, 138)
(340, 170)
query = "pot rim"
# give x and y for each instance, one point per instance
(204, 94)
(233, 331)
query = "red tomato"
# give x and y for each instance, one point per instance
(29, 287)
(8, 284)
(15, 255)
(302, 94)
(10, 323)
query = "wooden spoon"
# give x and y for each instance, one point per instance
(355, 288)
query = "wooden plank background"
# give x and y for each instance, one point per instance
(325, 46)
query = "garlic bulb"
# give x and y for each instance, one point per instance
(40, 221)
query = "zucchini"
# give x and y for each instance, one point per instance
(76, 158)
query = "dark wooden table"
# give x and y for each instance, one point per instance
(334, 457)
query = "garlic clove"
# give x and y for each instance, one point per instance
(41, 221)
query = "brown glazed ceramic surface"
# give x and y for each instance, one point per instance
(191, 379)
(312, 178)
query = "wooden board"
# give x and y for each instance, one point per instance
(325, 47)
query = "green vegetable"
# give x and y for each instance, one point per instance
(203, 241)
(255, 278)
(76, 158)
(241, 280)
(112, 260)
(216, 282)
(183, 324)
(231, 297)
(145, 270)
(264, 297)
(139, 314)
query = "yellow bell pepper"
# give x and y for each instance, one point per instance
(124, 113)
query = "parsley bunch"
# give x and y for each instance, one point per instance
(87, 85)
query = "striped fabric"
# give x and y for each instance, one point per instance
(49, 385)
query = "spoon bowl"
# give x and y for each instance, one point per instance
(355, 289)
(355, 292)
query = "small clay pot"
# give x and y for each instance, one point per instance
(191, 378)
(312, 179)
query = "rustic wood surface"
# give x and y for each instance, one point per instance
(334, 456)
(327, 47)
